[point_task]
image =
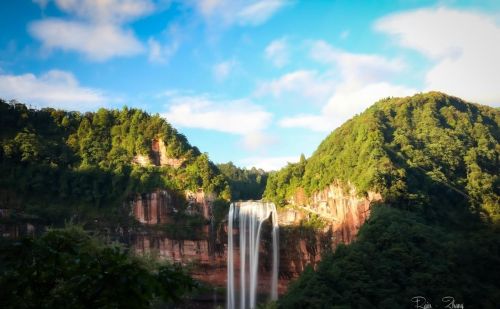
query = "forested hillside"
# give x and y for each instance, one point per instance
(419, 151)
(435, 160)
(246, 184)
(59, 165)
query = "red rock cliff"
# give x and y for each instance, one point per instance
(343, 209)
(341, 206)
(152, 208)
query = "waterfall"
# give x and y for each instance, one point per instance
(250, 215)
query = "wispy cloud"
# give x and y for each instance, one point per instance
(278, 52)
(258, 12)
(268, 163)
(464, 46)
(94, 28)
(223, 69)
(304, 83)
(239, 12)
(362, 80)
(356, 67)
(317, 123)
(258, 140)
(59, 89)
(239, 117)
(162, 49)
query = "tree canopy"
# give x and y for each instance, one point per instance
(61, 164)
(412, 149)
(435, 160)
(67, 268)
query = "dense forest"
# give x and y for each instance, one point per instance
(58, 165)
(69, 268)
(412, 150)
(435, 160)
(245, 184)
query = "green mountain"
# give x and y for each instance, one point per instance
(58, 165)
(435, 161)
(418, 151)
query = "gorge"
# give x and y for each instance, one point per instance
(405, 192)
(210, 253)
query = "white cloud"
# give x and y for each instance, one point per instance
(278, 52)
(161, 52)
(268, 163)
(351, 98)
(241, 12)
(363, 80)
(97, 41)
(259, 12)
(94, 28)
(207, 7)
(257, 140)
(356, 67)
(464, 46)
(223, 69)
(237, 117)
(348, 100)
(108, 11)
(305, 83)
(317, 123)
(56, 88)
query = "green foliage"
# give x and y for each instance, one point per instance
(245, 184)
(185, 226)
(284, 183)
(67, 268)
(52, 159)
(421, 150)
(398, 256)
(435, 160)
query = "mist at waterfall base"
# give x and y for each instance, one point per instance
(250, 216)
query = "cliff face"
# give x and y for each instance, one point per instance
(153, 208)
(157, 207)
(341, 206)
(299, 246)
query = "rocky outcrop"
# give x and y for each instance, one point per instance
(158, 156)
(141, 160)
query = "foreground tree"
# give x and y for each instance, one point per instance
(69, 268)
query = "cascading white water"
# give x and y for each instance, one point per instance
(250, 216)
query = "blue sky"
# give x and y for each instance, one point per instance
(253, 82)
